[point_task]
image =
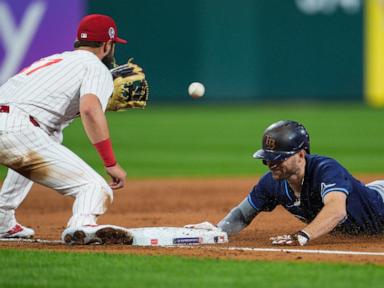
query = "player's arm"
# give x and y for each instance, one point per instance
(333, 212)
(235, 221)
(93, 118)
(259, 199)
(96, 127)
(238, 218)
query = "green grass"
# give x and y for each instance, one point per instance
(204, 140)
(49, 269)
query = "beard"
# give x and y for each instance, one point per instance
(279, 173)
(109, 60)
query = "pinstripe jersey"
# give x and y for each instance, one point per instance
(365, 206)
(50, 89)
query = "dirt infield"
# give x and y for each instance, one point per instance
(178, 202)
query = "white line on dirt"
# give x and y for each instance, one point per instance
(330, 252)
(31, 240)
(249, 249)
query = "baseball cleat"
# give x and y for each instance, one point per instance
(97, 234)
(18, 231)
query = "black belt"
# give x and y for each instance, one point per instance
(5, 109)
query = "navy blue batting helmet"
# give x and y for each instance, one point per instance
(282, 140)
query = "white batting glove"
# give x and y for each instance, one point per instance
(300, 238)
(203, 225)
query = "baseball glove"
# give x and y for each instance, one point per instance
(130, 87)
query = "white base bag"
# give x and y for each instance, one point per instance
(176, 236)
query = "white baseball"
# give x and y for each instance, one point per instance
(196, 90)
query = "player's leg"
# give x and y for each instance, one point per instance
(29, 151)
(13, 192)
(15, 188)
(377, 185)
(71, 176)
(59, 168)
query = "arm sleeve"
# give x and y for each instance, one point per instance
(260, 198)
(238, 218)
(97, 81)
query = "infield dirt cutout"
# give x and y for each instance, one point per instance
(176, 202)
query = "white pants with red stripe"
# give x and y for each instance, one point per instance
(33, 156)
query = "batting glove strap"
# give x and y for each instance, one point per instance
(302, 237)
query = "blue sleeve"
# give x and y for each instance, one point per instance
(261, 197)
(332, 177)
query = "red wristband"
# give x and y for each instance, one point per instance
(104, 148)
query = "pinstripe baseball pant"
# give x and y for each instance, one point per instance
(32, 155)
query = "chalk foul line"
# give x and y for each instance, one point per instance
(308, 251)
(32, 240)
(244, 249)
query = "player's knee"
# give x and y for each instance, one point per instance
(104, 190)
(108, 195)
(93, 199)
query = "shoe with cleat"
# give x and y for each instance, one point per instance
(18, 231)
(97, 234)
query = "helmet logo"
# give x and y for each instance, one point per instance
(269, 142)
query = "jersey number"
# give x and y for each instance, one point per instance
(48, 63)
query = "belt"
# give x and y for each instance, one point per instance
(5, 109)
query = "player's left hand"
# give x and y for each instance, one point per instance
(203, 225)
(130, 87)
(118, 176)
(300, 238)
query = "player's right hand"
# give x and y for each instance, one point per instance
(300, 238)
(118, 176)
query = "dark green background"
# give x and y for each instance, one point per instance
(241, 50)
(210, 140)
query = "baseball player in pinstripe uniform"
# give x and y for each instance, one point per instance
(35, 106)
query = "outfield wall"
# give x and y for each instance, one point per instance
(261, 50)
(247, 49)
